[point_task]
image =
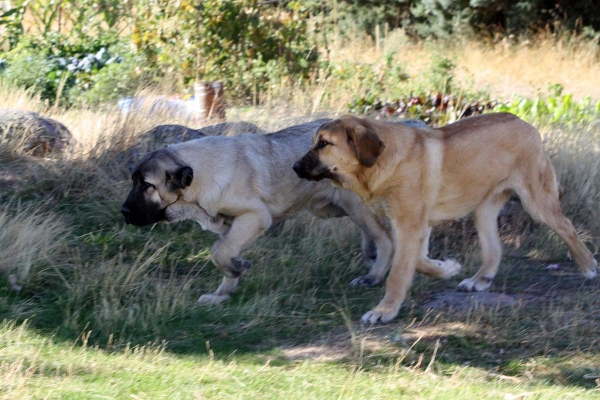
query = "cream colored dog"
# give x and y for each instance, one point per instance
(421, 177)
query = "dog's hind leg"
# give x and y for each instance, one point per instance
(369, 229)
(376, 240)
(541, 199)
(486, 222)
(436, 268)
(369, 248)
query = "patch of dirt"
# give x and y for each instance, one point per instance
(340, 344)
(466, 300)
(524, 284)
(323, 353)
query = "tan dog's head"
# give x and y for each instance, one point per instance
(157, 183)
(341, 148)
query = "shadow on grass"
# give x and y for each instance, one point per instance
(557, 327)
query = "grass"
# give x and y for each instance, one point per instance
(36, 366)
(108, 310)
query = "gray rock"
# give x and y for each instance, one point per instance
(40, 136)
(168, 134)
(413, 123)
(162, 135)
(230, 128)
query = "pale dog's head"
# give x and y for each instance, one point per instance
(158, 181)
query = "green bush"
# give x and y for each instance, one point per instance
(252, 45)
(108, 84)
(248, 44)
(68, 73)
(444, 18)
(437, 108)
(25, 67)
(554, 107)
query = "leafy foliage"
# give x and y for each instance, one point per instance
(67, 74)
(554, 107)
(255, 47)
(438, 109)
(11, 24)
(245, 43)
(443, 18)
(248, 44)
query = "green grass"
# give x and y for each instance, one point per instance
(39, 366)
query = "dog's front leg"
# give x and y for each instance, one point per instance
(182, 211)
(225, 290)
(409, 236)
(226, 253)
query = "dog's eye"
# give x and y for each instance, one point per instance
(322, 143)
(147, 185)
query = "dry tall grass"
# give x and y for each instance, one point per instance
(29, 237)
(505, 67)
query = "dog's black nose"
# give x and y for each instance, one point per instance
(297, 167)
(125, 211)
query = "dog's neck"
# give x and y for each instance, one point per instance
(370, 181)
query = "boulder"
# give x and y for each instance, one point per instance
(413, 123)
(162, 135)
(168, 134)
(38, 135)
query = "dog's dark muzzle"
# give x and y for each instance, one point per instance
(126, 214)
(310, 168)
(142, 215)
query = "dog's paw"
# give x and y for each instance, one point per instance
(380, 314)
(451, 268)
(591, 273)
(475, 284)
(212, 299)
(365, 280)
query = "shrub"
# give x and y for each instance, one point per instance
(247, 44)
(442, 18)
(114, 80)
(68, 74)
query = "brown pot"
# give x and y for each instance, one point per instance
(210, 99)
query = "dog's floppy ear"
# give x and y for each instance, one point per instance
(182, 177)
(366, 143)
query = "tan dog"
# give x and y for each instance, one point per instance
(421, 177)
